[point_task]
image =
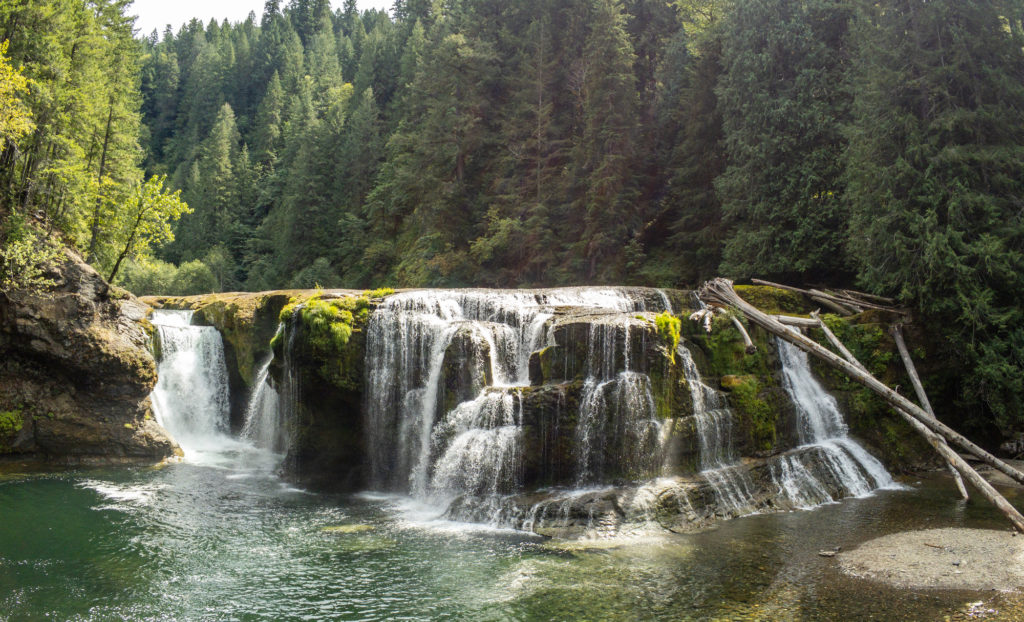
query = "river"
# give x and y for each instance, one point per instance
(222, 538)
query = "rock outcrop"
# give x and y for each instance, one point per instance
(76, 373)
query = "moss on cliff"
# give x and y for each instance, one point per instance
(669, 327)
(757, 406)
(11, 422)
(327, 326)
(773, 299)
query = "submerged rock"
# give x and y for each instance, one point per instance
(347, 529)
(76, 374)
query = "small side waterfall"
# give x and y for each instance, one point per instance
(191, 398)
(263, 425)
(823, 435)
(720, 466)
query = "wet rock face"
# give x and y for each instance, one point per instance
(76, 374)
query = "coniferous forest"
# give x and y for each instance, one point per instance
(539, 142)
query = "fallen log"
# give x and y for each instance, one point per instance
(747, 341)
(879, 299)
(908, 363)
(933, 439)
(831, 298)
(790, 320)
(720, 293)
(834, 306)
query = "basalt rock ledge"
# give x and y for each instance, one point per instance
(76, 373)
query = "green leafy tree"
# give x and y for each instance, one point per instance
(15, 115)
(145, 221)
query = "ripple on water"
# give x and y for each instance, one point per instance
(191, 542)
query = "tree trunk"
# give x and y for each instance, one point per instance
(922, 397)
(750, 347)
(95, 234)
(131, 239)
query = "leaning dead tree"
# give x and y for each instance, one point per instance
(720, 293)
(922, 397)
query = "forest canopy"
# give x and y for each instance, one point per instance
(540, 142)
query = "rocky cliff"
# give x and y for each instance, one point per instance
(76, 374)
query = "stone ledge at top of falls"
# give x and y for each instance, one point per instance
(76, 374)
(248, 320)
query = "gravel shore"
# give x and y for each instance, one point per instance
(951, 558)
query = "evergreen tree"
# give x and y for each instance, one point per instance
(211, 190)
(935, 172)
(782, 107)
(604, 150)
(693, 157)
(269, 121)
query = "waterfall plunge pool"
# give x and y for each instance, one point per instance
(229, 540)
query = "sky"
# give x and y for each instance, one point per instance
(158, 13)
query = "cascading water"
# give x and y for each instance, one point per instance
(713, 420)
(263, 425)
(823, 436)
(445, 375)
(191, 399)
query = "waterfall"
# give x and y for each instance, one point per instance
(191, 397)
(263, 425)
(719, 464)
(482, 445)
(445, 376)
(823, 437)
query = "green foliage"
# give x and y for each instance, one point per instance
(381, 292)
(746, 398)
(868, 343)
(327, 325)
(11, 422)
(194, 277)
(783, 107)
(149, 277)
(669, 327)
(82, 64)
(15, 115)
(25, 258)
(318, 274)
(153, 277)
(727, 352)
(773, 299)
(140, 221)
(935, 174)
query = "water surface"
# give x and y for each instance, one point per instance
(221, 537)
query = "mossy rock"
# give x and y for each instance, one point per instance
(774, 300)
(731, 381)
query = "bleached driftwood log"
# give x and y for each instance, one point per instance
(908, 363)
(747, 341)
